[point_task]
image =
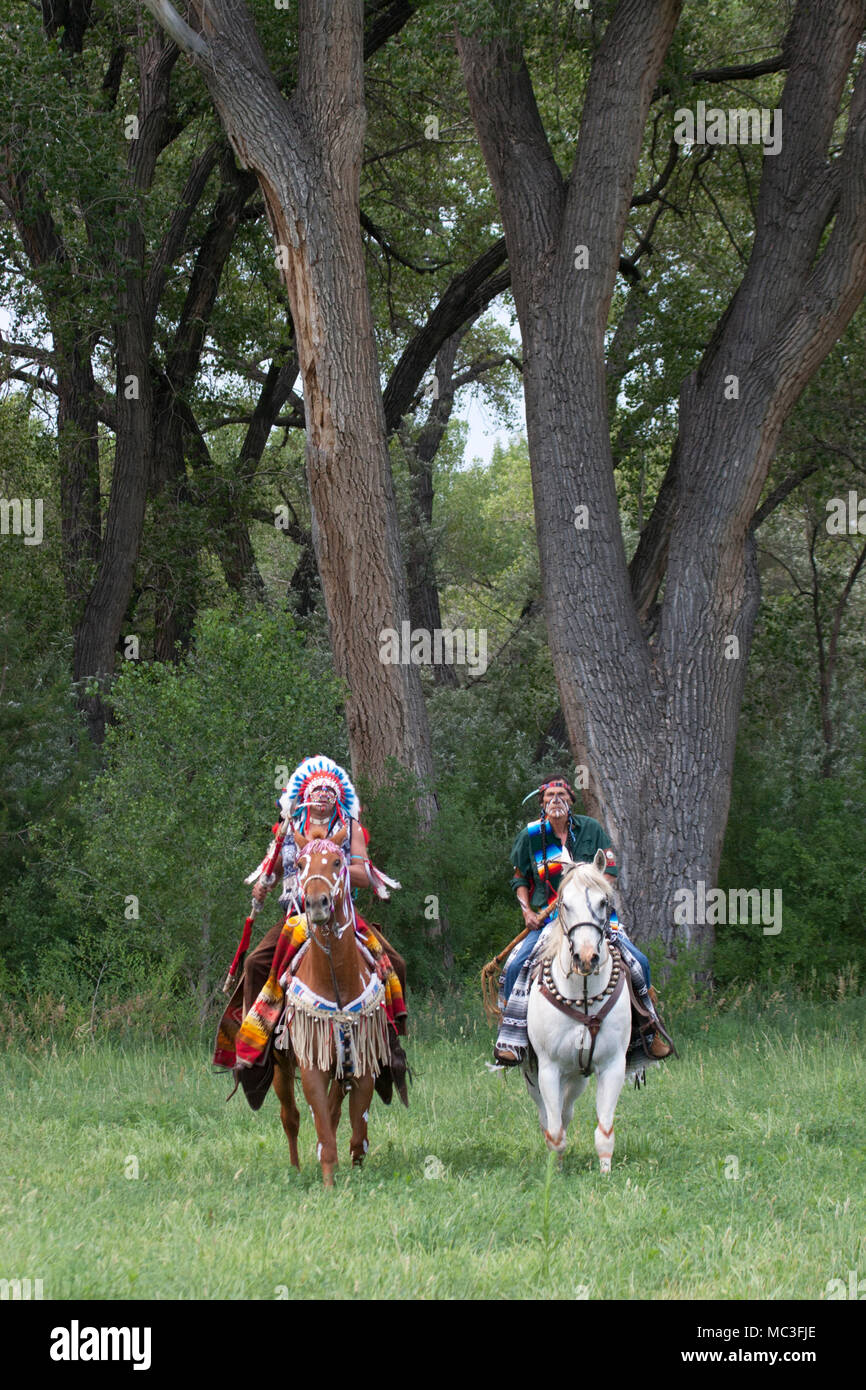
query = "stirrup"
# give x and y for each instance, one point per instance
(655, 1036)
(506, 1057)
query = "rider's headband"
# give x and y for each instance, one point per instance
(551, 782)
(557, 782)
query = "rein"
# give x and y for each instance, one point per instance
(327, 847)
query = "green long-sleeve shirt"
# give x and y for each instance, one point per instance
(585, 837)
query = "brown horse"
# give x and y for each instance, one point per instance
(332, 992)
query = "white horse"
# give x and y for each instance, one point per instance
(579, 1012)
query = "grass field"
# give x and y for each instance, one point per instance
(739, 1173)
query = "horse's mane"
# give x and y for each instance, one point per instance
(590, 877)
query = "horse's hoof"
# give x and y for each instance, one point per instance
(605, 1165)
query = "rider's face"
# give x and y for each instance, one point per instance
(556, 799)
(323, 798)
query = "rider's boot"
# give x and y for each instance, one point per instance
(661, 1046)
(505, 1056)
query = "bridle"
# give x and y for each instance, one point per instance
(598, 920)
(330, 928)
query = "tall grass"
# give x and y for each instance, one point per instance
(738, 1173)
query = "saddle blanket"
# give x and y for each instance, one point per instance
(242, 1042)
(513, 1033)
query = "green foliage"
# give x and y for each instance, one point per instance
(182, 811)
(43, 752)
(806, 835)
(454, 894)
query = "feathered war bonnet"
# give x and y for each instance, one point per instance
(317, 772)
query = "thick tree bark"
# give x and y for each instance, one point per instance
(655, 717)
(78, 450)
(307, 156)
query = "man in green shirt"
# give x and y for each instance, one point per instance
(540, 854)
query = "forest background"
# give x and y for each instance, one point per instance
(124, 841)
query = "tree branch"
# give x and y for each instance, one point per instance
(779, 493)
(378, 235)
(736, 72)
(466, 295)
(172, 241)
(177, 29)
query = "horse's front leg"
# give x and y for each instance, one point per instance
(315, 1084)
(550, 1087)
(609, 1086)
(335, 1103)
(360, 1098)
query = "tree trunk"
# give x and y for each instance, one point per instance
(307, 156)
(424, 609)
(656, 711)
(99, 629)
(78, 454)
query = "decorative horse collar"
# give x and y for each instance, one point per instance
(592, 1022)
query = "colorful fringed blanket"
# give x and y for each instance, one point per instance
(512, 1030)
(241, 1042)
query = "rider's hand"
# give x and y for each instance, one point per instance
(260, 892)
(533, 920)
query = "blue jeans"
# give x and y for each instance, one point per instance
(529, 942)
(630, 952)
(524, 951)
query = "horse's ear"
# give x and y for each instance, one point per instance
(600, 861)
(298, 839)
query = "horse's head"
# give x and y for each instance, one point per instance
(323, 875)
(585, 901)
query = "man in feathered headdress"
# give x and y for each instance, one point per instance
(318, 799)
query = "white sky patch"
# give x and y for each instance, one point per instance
(484, 430)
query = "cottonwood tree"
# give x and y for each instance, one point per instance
(650, 657)
(161, 435)
(306, 153)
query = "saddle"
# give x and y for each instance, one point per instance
(255, 1081)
